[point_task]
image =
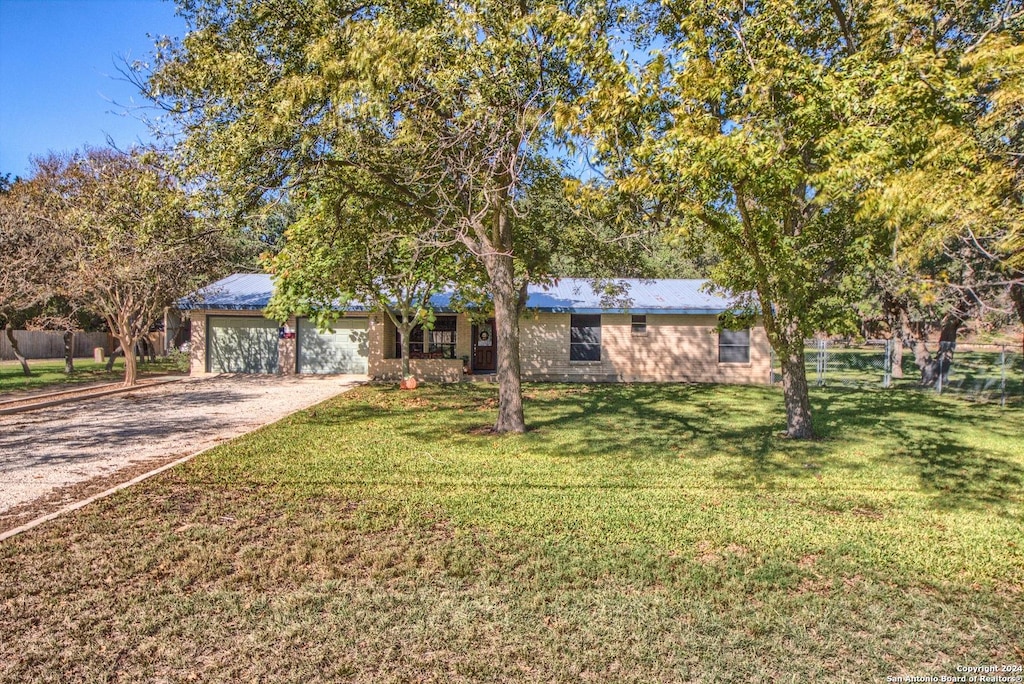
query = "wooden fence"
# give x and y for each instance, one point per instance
(38, 344)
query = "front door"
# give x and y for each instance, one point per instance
(484, 359)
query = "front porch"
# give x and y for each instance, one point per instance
(454, 350)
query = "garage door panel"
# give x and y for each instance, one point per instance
(345, 349)
(243, 344)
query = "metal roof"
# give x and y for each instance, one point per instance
(627, 295)
(240, 291)
(252, 292)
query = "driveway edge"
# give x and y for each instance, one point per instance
(96, 497)
(83, 395)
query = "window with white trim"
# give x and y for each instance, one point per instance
(639, 325)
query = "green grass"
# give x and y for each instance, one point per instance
(49, 373)
(636, 533)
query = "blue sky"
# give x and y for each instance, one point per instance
(59, 87)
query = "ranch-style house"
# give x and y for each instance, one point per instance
(648, 331)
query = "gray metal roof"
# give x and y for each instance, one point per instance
(252, 292)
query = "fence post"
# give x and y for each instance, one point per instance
(1002, 376)
(887, 365)
(821, 363)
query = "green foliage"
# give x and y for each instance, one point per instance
(804, 138)
(935, 97)
(361, 247)
(128, 243)
(282, 94)
(727, 127)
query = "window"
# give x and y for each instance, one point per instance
(415, 343)
(734, 346)
(585, 337)
(639, 325)
(441, 340)
(438, 343)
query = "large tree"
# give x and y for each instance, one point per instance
(730, 126)
(936, 295)
(938, 141)
(803, 137)
(133, 246)
(275, 94)
(936, 144)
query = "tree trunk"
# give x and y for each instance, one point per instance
(925, 362)
(947, 344)
(113, 356)
(506, 333)
(406, 333)
(1017, 295)
(897, 357)
(131, 365)
(17, 352)
(895, 315)
(934, 367)
(795, 392)
(69, 352)
(914, 336)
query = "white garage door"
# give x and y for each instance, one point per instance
(343, 350)
(242, 344)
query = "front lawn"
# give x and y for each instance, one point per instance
(49, 374)
(637, 533)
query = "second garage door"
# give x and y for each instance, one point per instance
(345, 350)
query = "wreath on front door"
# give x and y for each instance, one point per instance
(484, 335)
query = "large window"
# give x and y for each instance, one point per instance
(438, 343)
(585, 337)
(734, 346)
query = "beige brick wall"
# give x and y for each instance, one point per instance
(424, 370)
(463, 337)
(676, 348)
(376, 338)
(287, 350)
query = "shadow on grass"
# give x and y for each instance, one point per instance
(627, 422)
(668, 423)
(697, 422)
(930, 435)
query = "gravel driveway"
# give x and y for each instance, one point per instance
(50, 450)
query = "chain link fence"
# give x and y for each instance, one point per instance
(981, 372)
